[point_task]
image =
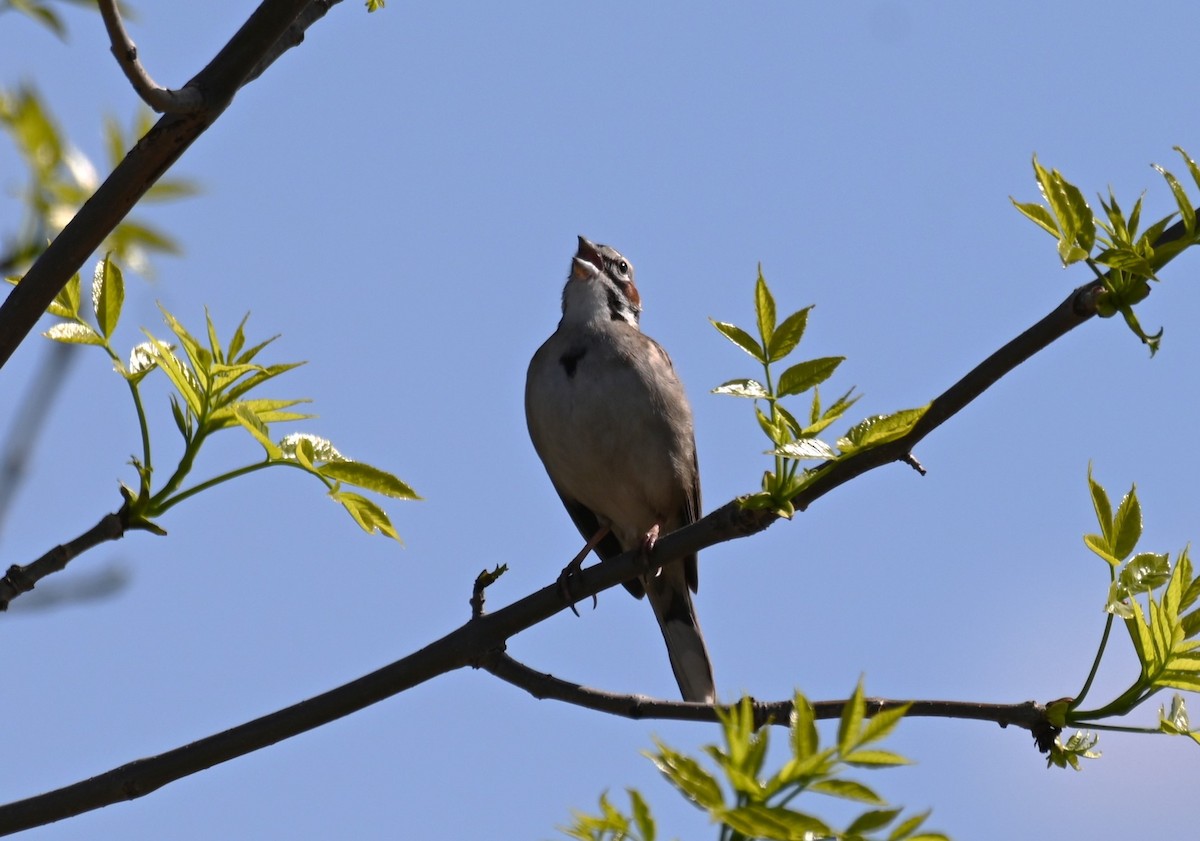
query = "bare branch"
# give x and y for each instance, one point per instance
(274, 27)
(185, 101)
(21, 579)
(1029, 715)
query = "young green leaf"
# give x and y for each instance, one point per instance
(872, 820)
(367, 514)
(740, 338)
(1186, 212)
(688, 776)
(642, 818)
(246, 417)
(801, 377)
(848, 790)
(1127, 525)
(805, 449)
(764, 308)
(788, 334)
(108, 295)
(760, 821)
(66, 302)
(880, 429)
(365, 476)
(851, 720)
(73, 333)
(743, 388)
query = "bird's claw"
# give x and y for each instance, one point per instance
(571, 572)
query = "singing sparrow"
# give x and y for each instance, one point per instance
(610, 422)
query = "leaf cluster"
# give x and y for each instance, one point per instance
(1130, 259)
(753, 804)
(211, 383)
(1162, 632)
(793, 441)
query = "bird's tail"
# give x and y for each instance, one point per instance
(672, 603)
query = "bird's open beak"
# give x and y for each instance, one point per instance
(588, 261)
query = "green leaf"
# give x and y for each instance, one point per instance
(740, 338)
(1146, 571)
(73, 333)
(108, 294)
(267, 411)
(758, 821)
(851, 720)
(179, 374)
(788, 334)
(764, 308)
(1038, 214)
(803, 728)
(801, 377)
(848, 790)
(775, 429)
(1099, 545)
(881, 724)
(246, 417)
(1102, 507)
(66, 302)
(880, 429)
(1187, 213)
(908, 826)
(688, 776)
(874, 758)
(365, 476)
(805, 449)
(872, 820)
(642, 818)
(1071, 214)
(367, 514)
(199, 356)
(743, 388)
(1127, 525)
(258, 378)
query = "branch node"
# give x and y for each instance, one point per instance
(187, 100)
(912, 462)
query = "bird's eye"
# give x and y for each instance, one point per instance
(623, 267)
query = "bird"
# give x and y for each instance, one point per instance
(611, 423)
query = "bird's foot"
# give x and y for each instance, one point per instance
(573, 571)
(647, 547)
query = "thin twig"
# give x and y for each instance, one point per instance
(1028, 715)
(21, 579)
(187, 100)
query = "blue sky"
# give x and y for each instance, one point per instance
(400, 197)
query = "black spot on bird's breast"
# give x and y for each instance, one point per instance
(570, 360)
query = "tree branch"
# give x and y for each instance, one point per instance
(185, 101)
(21, 579)
(1029, 715)
(274, 27)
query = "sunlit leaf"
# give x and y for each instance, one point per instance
(804, 375)
(743, 388)
(73, 333)
(371, 478)
(108, 295)
(740, 338)
(369, 516)
(788, 334)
